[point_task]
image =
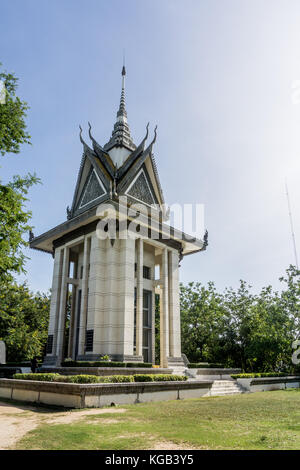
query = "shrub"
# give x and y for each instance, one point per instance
(78, 379)
(89, 379)
(40, 377)
(119, 378)
(169, 378)
(258, 374)
(143, 378)
(158, 378)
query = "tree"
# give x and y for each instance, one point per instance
(240, 329)
(201, 320)
(23, 315)
(13, 131)
(23, 321)
(13, 225)
(13, 216)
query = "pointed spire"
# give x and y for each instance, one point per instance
(121, 133)
(122, 110)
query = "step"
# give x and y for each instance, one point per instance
(225, 387)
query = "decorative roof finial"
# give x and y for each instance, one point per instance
(122, 110)
(121, 133)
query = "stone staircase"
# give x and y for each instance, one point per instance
(226, 387)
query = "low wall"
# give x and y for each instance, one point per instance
(98, 395)
(263, 384)
(106, 370)
(212, 374)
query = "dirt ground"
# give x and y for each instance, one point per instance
(17, 420)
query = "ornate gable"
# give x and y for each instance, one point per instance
(141, 189)
(92, 190)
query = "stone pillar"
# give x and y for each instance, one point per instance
(174, 307)
(164, 311)
(84, 295)
(54, 305)
(153, 326)
(128, 257)
(139, 297)
(94, 300)
(72, 327)
(62, 305)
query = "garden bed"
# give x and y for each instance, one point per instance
(101, 394)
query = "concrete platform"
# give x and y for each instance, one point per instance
(98, 395)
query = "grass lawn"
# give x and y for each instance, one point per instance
(263, 420)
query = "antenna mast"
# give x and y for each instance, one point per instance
(292, 225)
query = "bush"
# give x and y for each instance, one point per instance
(119, 378)
(39, 377)
(258, 374)
(89, 379)
(202, 365)
(169, 378)
(143, 378)
(78, 379)
(158, 378)
(75, 379)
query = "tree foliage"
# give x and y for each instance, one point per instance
(14, 223)
(13, 131)
(239, 328)
(23, 321)
(23, 315)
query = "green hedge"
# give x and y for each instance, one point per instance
(105, 364)
(168, 378)
(40, 377)
(158, 378)
(258, 374)
(86, 379)
(202, 365)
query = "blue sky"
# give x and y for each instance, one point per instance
(216, 76)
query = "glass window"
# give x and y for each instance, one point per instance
(145, 338)
(146, 272)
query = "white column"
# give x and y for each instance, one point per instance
(139, 298)
(84, 295)
(153, 327)
(164, 311)
(55, 297)
(62, 307)
(174, 306)
(72, 328)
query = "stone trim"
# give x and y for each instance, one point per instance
(274, 380)
(102, 389)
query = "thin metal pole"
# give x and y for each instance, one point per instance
(292, 225)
